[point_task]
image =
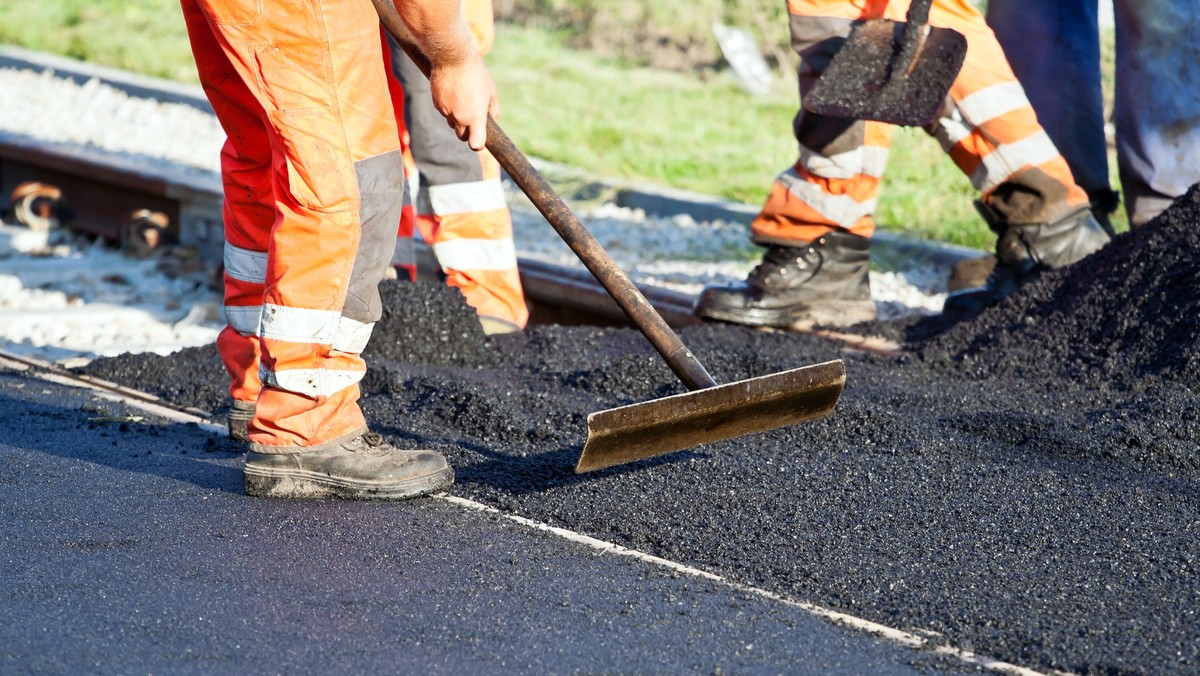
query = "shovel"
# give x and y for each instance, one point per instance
(890, 71)
(709, 412)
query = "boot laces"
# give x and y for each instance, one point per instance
(371, 443)
(778, 259)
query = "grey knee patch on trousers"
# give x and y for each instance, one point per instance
(381, 189)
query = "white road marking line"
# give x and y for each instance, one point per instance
(892, 634)
(904, 638)
(48, 372)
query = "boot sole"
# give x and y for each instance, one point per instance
(277, 483)
(831, 313)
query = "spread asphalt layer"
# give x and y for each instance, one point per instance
(1022, 484)
(127, 545)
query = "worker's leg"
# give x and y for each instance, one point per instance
(404, 257)
(991, 132)
(1054, 50)
(248, 213)
(311, 324)
(1157, 103)
(317, 78)
(1041, 216)
(835, 181)
(817, 219)
(461, 209)
(988, 127)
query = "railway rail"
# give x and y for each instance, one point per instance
(49, 184)
(54, 185)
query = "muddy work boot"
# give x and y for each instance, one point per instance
(239, 419)
(823, 282)
(1025, 251)
(365, 467)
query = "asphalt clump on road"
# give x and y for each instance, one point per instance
(1023, 483)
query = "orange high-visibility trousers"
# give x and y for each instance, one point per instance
(313, 178)
(456, 198)
(987, 127)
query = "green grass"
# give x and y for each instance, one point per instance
(925, 195)
(676, 130)
(666, 128)
(144, 36)
(570, 107)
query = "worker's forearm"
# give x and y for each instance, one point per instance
(462, 88)
(437, 27)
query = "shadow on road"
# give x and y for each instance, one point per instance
(78, 428)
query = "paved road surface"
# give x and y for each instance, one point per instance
(127, 546)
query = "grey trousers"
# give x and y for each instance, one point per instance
(1054, 48)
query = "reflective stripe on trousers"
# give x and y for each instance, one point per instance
(459, 207)
(987, 128)
(313, 176)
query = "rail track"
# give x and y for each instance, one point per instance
(143, 205)
(145, 202)
(51, 185)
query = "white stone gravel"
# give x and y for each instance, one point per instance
(95, 114)
(682, 254)
(68, 299)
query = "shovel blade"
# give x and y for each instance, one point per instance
(866, 81)
(638, 431)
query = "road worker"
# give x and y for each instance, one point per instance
(313, 179)
(1054, 48)
(817, 222)
(455, 198)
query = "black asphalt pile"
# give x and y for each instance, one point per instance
(1131, 310)
(1024, 483)
(428, 324)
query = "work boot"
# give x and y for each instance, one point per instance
(1023, 252)
(365, 467)
(240, 416)
(971, 273)
(822, 282)
(494, 327)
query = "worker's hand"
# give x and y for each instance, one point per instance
(462, 87)
(466, 95)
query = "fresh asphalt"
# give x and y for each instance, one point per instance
(127, 545)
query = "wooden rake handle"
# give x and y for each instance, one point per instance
(559, 215)
(914, 34)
